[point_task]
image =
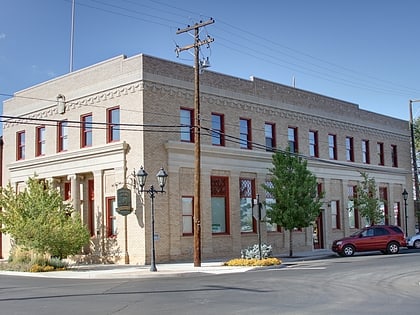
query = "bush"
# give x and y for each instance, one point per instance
(254, 252)
(253, 262)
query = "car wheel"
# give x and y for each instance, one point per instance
(348, 250)
(393, 248)
(416, 244)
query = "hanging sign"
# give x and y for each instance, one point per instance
(124, 201)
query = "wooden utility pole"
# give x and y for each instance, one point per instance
(197, 126)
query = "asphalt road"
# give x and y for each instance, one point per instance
(363, 284)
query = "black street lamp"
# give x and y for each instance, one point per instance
(405, 196)
(140, 180)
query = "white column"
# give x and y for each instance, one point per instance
(75, 191)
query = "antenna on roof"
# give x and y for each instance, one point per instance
(72, 35)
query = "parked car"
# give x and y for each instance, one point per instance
(386, 238)
(414, 241)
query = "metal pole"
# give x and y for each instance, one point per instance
(152, 205)
(259, 225)
(127, 258)
(406, 217)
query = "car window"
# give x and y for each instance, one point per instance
(367, 232)
(381, 231)
(396, 229)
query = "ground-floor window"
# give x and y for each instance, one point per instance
(219, 204)
(187, 215)
(247, 194)
(111, 227)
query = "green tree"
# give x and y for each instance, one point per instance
(295, 191)
(366, 202)
(416, 128)
(38, 219)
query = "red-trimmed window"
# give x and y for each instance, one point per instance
(245, 138)
(220, 204)
(187, 203)
(111, 216)
(365, 152)
(335, 214)
(349, 149)
(40, 141)
(270, 136)
(292, 139)
(187, 124)
(332, 147)
(313, 143)
(394, 155)
(247, 196)
(217, 129)
(353, 212)
(62, 137)
(20, 145)
(397, 213)
(269, 199)
(86, 130)
(113, 124)
(381, 155)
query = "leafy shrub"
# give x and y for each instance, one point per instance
(57, 263)
(254, 251)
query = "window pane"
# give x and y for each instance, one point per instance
(186, 125)
(113, 124)
(187, 215)
(218, 214)
(246, 195)
(217, 129)
(244, 133)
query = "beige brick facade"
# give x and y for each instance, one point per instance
(150, 93)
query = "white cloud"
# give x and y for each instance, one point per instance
(2, 35)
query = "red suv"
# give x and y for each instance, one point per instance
(386, 238)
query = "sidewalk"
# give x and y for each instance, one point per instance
(173, 269)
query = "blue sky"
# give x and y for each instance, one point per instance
(362, 51)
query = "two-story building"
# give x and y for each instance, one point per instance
(87, 131)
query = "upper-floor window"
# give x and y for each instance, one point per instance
(313, 143)
(63, 136)
(113, 124)
(187, 123)
(349, 149)
(381, 155)
(394, 156)
(365, 152)
(217, 129)
(86, 130)
(20, 145)
(40, 141)
(245, 133)
(332, 146)
(270, 136)
(292, 138)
